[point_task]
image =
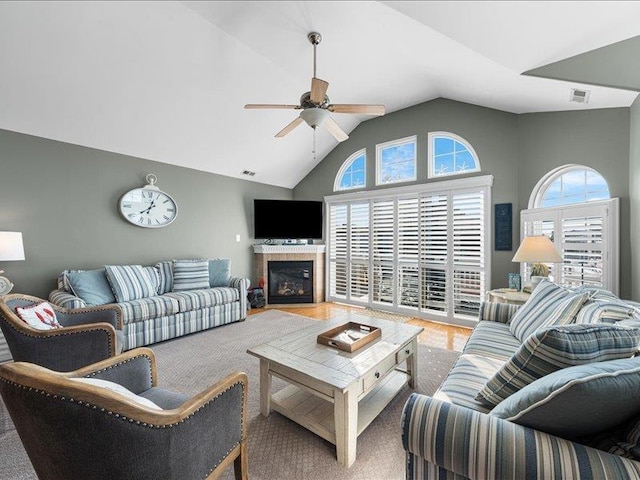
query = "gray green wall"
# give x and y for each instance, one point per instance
(492, 133)
(634, 198)
(64, 199)
(596, 138)
(516, 149)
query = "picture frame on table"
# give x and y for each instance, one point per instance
(515, 281)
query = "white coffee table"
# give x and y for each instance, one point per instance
(332, 393)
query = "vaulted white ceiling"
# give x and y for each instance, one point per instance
(167, 81)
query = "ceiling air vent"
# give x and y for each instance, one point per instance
(248, 172)
(579, 96)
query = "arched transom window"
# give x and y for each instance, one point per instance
(353, 172)
(450, 154)
(568, 185)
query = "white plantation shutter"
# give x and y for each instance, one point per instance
(434, 239)
(338, 231)
(468, 251)
(538, 224)
(359, 252)
(408, 230)
(384, 243)
(586, 235)
(418, 250)
(408, 252)
(582, 244)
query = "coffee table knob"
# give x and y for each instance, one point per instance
(407, 351)
(377, 374)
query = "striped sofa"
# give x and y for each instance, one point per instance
(451, 436)
(169, 314)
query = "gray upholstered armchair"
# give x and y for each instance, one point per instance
(88, 334)
(71, 429)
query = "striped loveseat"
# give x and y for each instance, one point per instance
(452, 436)
(163, 313)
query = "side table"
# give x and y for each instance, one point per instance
(507, 295)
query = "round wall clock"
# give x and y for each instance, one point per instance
(148, 206)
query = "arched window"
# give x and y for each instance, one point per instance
(572, 205)
(353, 172)
(567, 185)
(450, 154)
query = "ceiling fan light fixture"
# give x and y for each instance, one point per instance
(314, 117)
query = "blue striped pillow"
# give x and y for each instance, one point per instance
(548, 305)
(130, 282)
(577, 401)
(165, 272)
(154, 275)
(190, 274)
(555, 348)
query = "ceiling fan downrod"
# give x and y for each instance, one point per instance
(315, 38)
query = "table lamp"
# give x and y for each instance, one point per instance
(11, 249)
(537, 249)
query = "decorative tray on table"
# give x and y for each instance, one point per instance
(349, 336)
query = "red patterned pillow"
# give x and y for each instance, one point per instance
(40, 316)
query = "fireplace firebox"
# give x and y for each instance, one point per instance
(290, 281)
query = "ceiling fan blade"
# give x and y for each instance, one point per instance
(289, 127)
(356, 108)
(335, 130)
(266, 106)
(318, 90)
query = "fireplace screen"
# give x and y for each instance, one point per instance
(290, 282)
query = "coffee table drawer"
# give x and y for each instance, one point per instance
(404, 352)
(380, 371)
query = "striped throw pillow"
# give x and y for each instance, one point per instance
(165, 272)
(555, 348)
(548, 305)
(154, 275)
(190, 274)
(130, 282)
(577, 401)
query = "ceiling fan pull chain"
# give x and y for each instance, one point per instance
(314, 144)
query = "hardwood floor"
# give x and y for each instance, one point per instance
(435, 334)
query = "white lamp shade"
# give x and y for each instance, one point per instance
(537, 249)
(11, 246)
(315, 117)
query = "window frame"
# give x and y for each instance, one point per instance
(400, 141)
(608, 209)
(449, 188)
(345, 166)
(431, 137)
(537, 194)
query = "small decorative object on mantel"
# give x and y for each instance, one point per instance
(148, 206)
(350, 336)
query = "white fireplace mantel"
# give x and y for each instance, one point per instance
(273, 249)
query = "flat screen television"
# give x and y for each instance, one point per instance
(287, 219)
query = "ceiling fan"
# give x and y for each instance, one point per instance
(315, 104)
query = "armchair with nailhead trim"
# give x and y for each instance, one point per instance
(88, 335)
(72, 429)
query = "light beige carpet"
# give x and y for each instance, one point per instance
(278, 447)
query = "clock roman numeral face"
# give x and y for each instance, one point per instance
(148, 208)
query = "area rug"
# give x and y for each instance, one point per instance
(278, 447)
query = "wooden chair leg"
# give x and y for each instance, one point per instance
(241, 463)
